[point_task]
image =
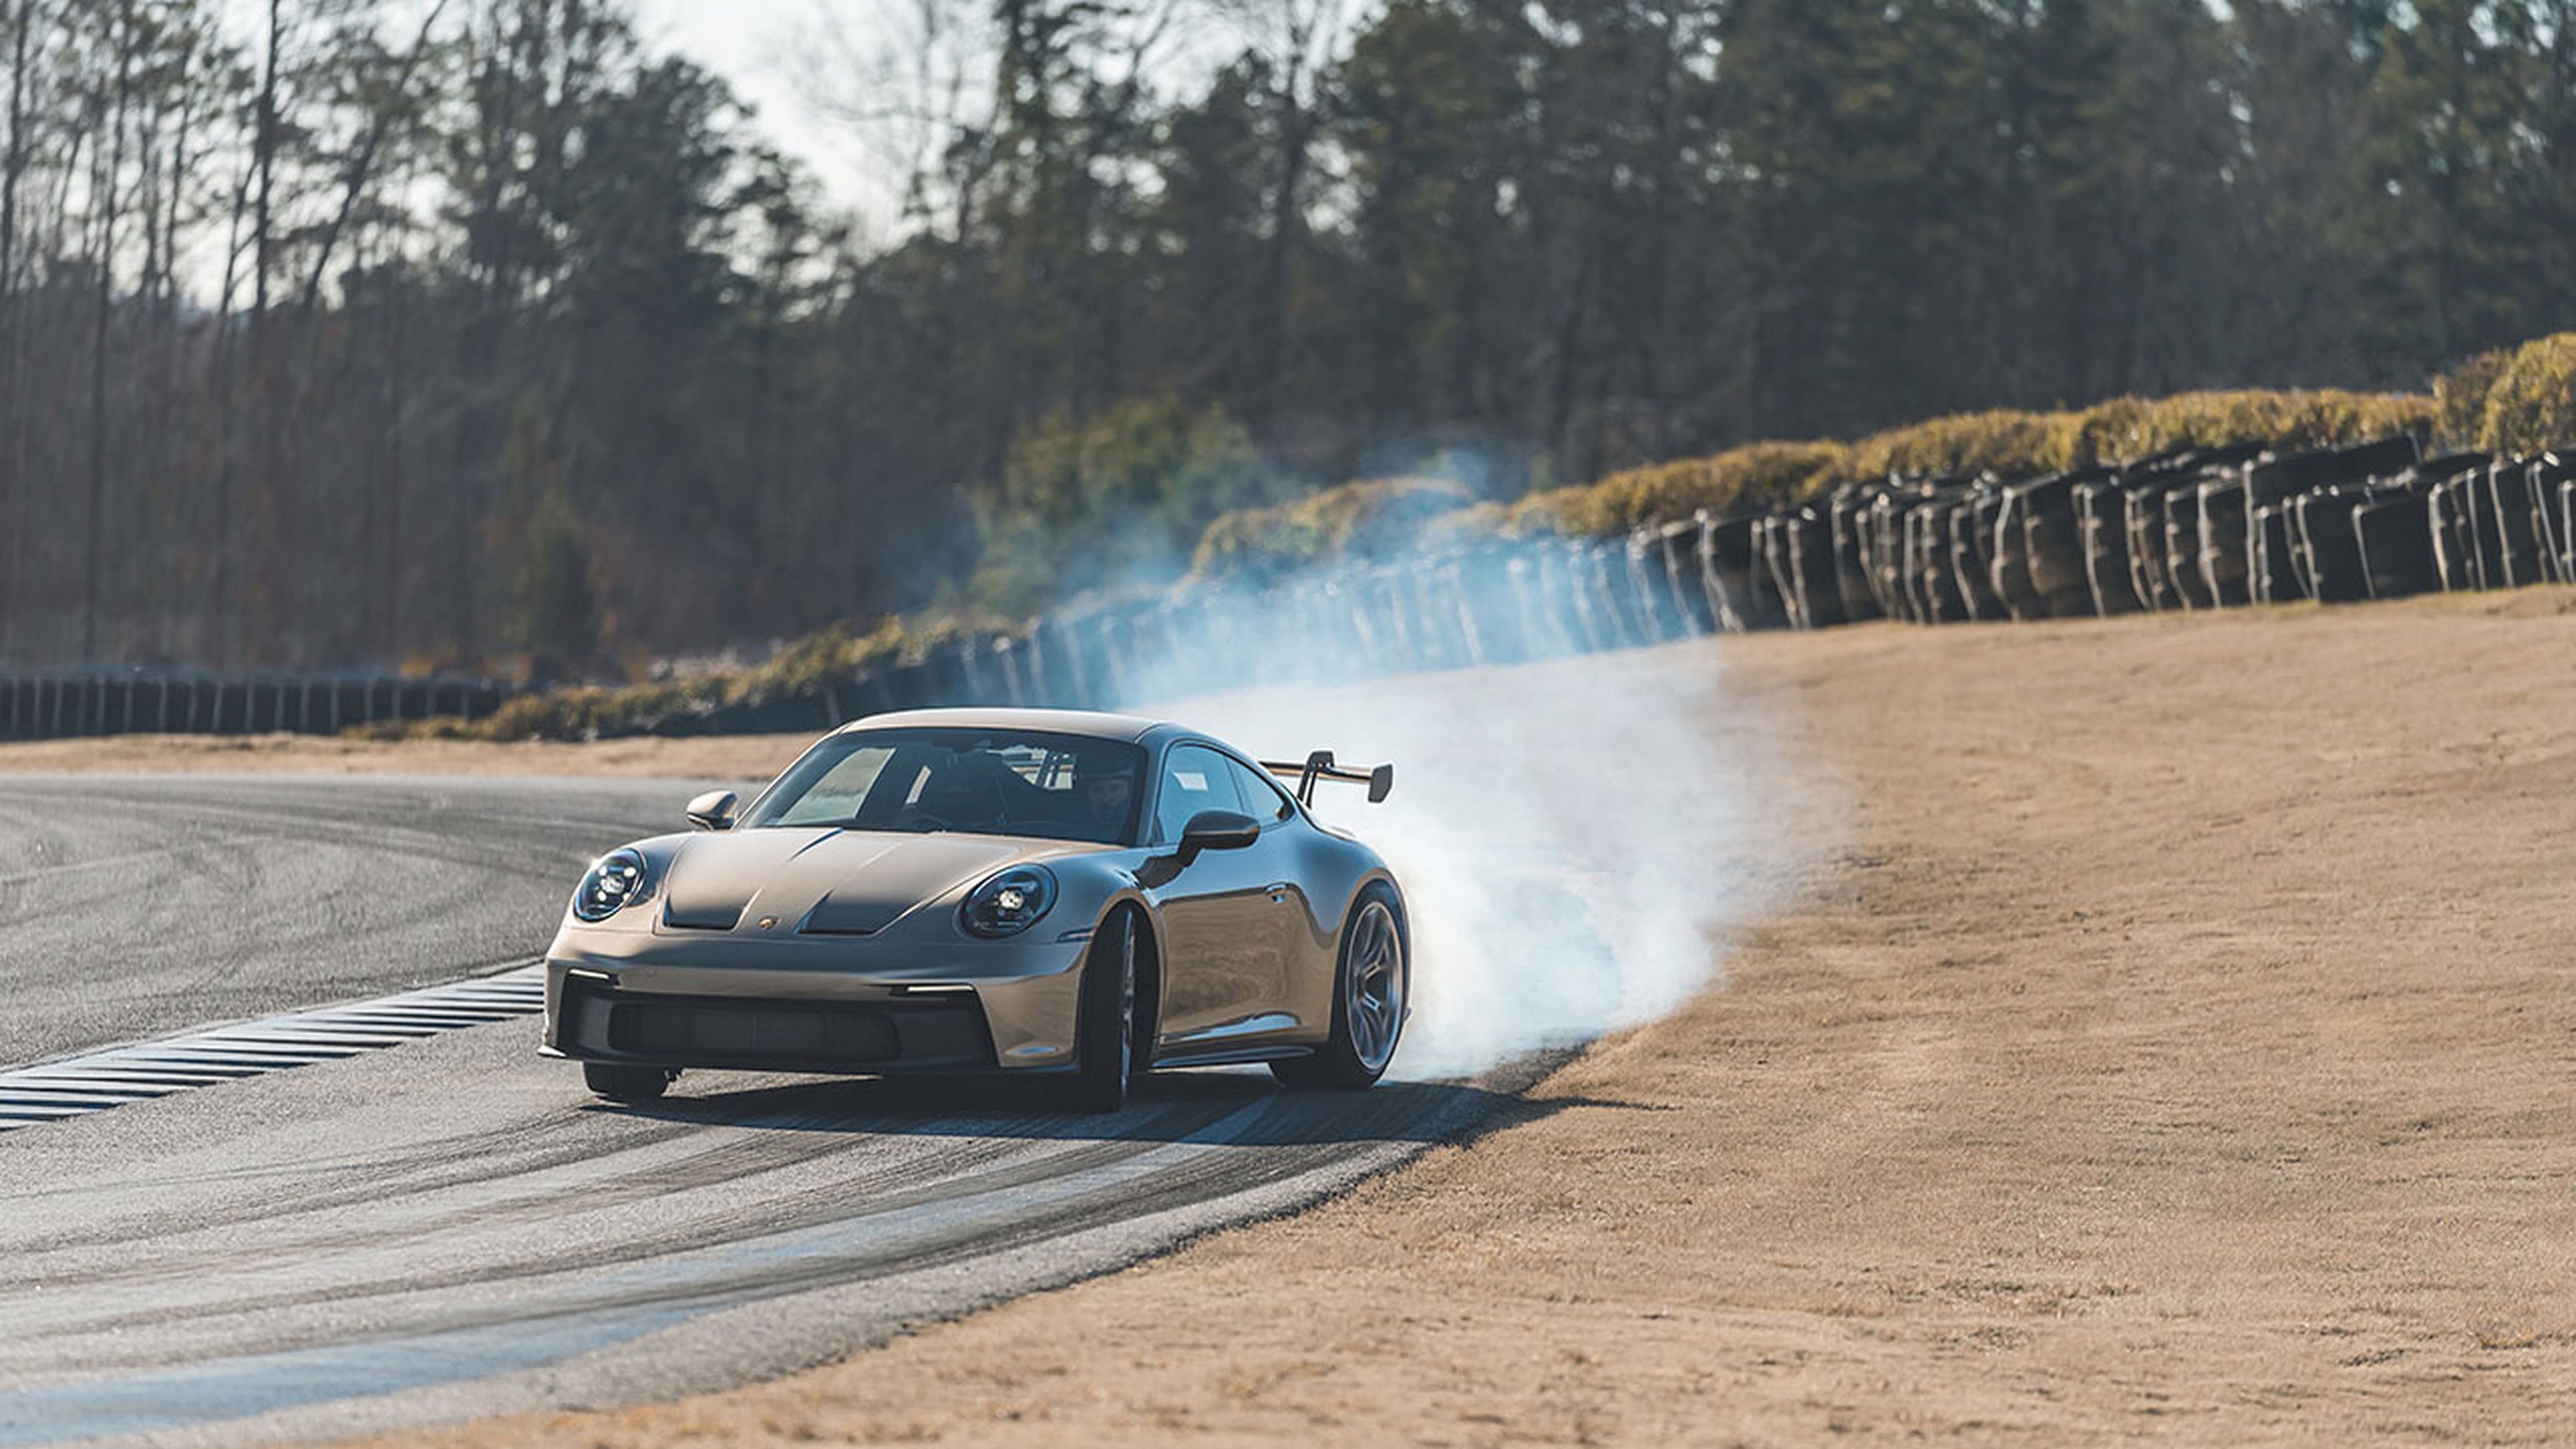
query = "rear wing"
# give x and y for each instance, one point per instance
(1319, 766)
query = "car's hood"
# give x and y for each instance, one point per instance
(825, 881)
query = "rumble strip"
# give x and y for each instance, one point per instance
(96, 1081)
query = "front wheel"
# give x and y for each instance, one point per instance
(1370, 986)
(1104, 1047)
(627, 1084)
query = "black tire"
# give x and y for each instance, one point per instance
(1349, 1060)
(627, 1084)
(1104, 1048)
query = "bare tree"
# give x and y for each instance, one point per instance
(1296, 41)
(23, 20)
(108, 192)
(912, 83)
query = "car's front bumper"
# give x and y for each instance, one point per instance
(795, 1007)
(599, 1021)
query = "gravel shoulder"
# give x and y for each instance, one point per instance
(2174, 1040)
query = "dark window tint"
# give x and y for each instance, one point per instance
(994, 782)
(1194, 779)
(1262, 797)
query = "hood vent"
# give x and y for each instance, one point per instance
(838, 882)
(702, 915)
(853, 915)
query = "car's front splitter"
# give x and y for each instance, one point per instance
(1006, 1008)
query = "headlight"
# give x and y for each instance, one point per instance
(615, 880)
(1010, 902)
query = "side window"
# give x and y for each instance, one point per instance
(1194, 779)
(1262, 798)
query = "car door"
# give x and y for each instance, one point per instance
(1309, 930)
(1223, 926)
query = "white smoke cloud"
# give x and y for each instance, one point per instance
(1577, 838)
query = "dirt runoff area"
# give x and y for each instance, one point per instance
(2176, 1041)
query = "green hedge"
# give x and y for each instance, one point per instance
(1759, 475)
(2531, 406)
(2514, 400)
(2460, 397)
(2008, 444)
(2004, 443)
(2020, 444)
(835, 654)
(2127, 428)
(1370, 519)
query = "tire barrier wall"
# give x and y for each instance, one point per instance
(2193, 529)
(59, 703)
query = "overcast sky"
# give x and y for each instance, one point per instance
(747, 42)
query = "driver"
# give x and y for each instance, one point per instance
(1108, 791)
(965, 792)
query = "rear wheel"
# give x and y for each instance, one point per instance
(1105, 1032)
(627, 1084)
(1370, 988)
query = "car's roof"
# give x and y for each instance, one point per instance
(1091, 723)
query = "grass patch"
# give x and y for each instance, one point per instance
(1371, 519)
(1759, 475)
(2531, 405)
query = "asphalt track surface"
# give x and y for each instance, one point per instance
(451, 1227)
(136, 906)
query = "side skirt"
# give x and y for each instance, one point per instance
(1238, 1056)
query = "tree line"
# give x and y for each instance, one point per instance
(343, 330)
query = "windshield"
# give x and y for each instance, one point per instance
(989, 782)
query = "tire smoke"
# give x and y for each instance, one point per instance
(1575, 837)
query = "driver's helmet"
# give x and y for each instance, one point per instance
(1105, 781)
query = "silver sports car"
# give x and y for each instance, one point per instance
(1021, 892)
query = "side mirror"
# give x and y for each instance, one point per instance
(712, 810)
(1218, 830)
